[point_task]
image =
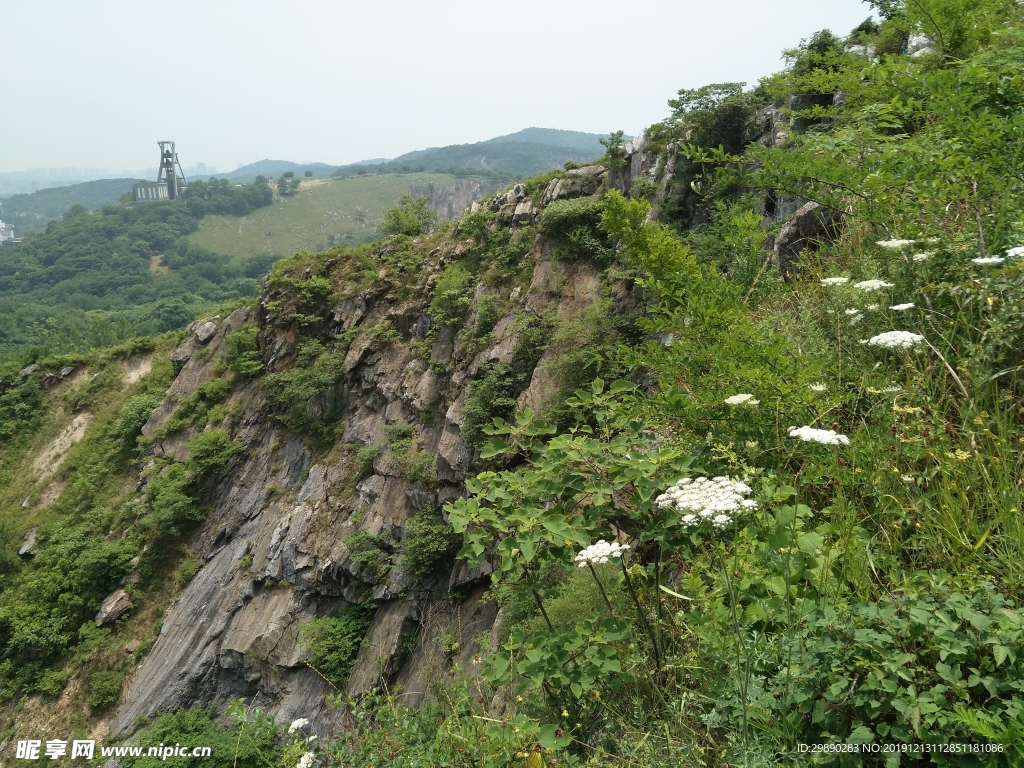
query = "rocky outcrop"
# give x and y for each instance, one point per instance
(277, 548)
(450, 201)
(808, 228)
(28, 545)
(114, 606)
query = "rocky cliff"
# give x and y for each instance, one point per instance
(285, 538)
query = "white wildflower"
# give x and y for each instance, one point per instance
(903, 307)
(872, 285)
(922, 256)
(835, 280)
(891, 389)
(743, 399)
(818, 387)
(853, 311)
(907, 478)
(895, 243)
(306, 761)
(297, 724)
(893, 339)
(715, 500)
(871, 307)
(823, 436)
(600, 552)
(1013, 253)
(989, 260)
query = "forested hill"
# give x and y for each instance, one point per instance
(34, 210)
(95, 278)
(510, 157)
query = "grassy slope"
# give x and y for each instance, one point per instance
(322, 208)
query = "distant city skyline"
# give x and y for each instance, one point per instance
(342, 81)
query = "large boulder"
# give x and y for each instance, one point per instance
(808, 228)
(116, 604)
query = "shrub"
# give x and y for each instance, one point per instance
(244, 355)
(411, 216)
(210, 451)
(131, 419)
(453, 295)
(252, 745)
(371, 553)
(364, 461)
(399, 435)
(104, 689)
(334, 642)
(575, 227)
(430, 542)
(421, 468)
(170, 498)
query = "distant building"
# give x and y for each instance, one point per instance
(148, 191)
(6, 231)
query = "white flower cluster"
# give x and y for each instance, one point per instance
(902, 307)
(835, 280)
(895, 243)
(922, 256)
(1013, 253)
(818, 387)
(894, 339)
(989, 260)
(853, 311)
(743, 399)
(872, 285)
(600, 552)
(297, 724)
(823, 436)
(306, 761)
(713, 500)
(892, 389)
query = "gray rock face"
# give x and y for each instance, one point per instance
(114, 606)
(29, 370)
(28, 545)
(273, 560)
(808, 228)
(449, 202)
(206, 331)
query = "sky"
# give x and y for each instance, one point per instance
(97, 84)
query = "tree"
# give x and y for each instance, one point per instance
(615, 152)
(411, 216)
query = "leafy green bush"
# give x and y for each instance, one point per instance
(399, 435)
(411, 216)
(292, 390)
(453, 295)
(244, 356)
(575, 227)
(897, 669)
(422, 469)
(248, 742)
(130, 420)
(210, 451)
(429, 543)
(372, 553)
(335, 641)
(104, 689)
(364, 460)
(170, 496)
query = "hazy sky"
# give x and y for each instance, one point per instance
(95, 84)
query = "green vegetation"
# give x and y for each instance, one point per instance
(429, 544)
(346, 210)
(35, 210)
(334, 641)
(93, 280)
(504, 158)
(410, 216)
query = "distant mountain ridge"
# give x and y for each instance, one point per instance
(514, 155)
